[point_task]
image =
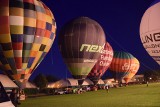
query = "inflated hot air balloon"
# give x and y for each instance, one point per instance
(27, 31)
(133, 70)
(150, 31)
(102, 64)
(80, 42)
(121, 64)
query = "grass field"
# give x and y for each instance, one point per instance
(131, 96)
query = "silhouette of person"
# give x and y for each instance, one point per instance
(14, 97)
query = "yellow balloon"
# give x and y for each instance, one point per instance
(27, 32)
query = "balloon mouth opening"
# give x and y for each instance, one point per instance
(80, 82)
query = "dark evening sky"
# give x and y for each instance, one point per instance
(120, 20)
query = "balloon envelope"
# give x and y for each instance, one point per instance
(121, 64)
(80, 42)
(133, 70)
(27, 31)
(102, 64)
(150, 31)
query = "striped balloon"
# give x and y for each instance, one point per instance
(102, 64)
(27, 32)
(80, 42)
(121, 64)
(133, 70)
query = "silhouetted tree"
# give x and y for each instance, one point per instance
(40, 81)
(154, 74)
(51, 78)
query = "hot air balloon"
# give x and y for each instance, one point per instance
(133, 70)
(102, 64)
(27, 31)
(150, 31)
(121, 64)
(80, 43)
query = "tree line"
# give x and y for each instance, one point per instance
(152, 75)
(41, 80)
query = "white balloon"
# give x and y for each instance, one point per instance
(150, 31)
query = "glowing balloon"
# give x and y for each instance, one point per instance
(27, 31)
(133, 70)
(150, 31)
(80, 42)
(121, 64)
(102, 64)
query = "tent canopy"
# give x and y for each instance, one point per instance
(100, 82)
(27, 84)
(7, 82)
(68, 82)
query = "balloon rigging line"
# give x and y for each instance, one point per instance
(116, 42)
(51, 5)
(66, 78)
(51, 56)
(119, 45)
(126, 50)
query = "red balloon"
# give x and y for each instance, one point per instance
(102, 64)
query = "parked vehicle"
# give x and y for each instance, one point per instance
(60, 92)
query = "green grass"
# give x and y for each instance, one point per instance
(131, 96)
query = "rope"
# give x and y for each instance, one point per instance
(126, 50)
(51, 56)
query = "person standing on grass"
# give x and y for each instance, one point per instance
(107, 88)
(147, 83)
